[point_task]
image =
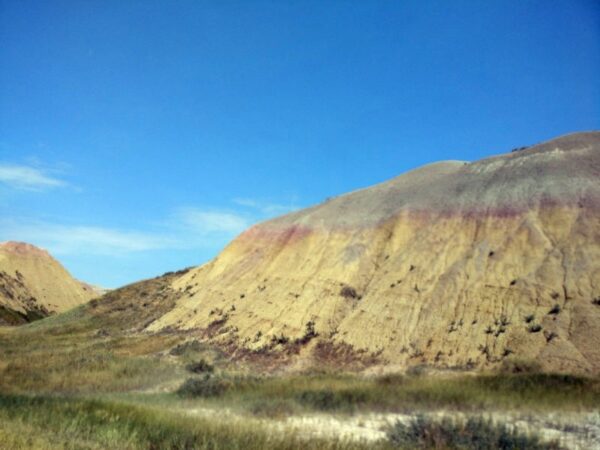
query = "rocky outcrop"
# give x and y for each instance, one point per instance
(451, 264)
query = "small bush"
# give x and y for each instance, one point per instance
(514, 365)
(208, 386)
(596, 301)
(348, 292)
(272, 408)
(327, 399)
(417, 371)
(535, 328)
(555, 310)
(201, 366)
(279, 340)
(190, 346)
(424, 433)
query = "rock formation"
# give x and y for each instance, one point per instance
(452, 264)
(34, 285)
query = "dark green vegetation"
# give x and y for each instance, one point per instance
(423, 433)
(535, 392)
(93, 378)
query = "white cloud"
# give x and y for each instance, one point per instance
(265, 208)
(188, 228)
(27, 177)
(70, 239)
(210, 221)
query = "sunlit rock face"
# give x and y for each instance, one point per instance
(34, 285)
(452, 264)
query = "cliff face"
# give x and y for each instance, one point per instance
(451, 264)
(34, 285)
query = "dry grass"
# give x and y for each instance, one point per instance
(100, 353)
(77, 423)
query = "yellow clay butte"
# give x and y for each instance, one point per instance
(451, 264)
(31, 281)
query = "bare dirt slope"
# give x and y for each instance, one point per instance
(34, 285)
(451, 264)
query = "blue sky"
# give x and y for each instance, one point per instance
(138, 137)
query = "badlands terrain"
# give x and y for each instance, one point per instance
(451, 264)
(34, 285)
(455, 306)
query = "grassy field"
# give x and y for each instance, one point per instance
(349, 393)
(91, 378)
(49, 422)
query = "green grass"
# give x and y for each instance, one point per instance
(349, 393)
(82, 380)
(81, 423)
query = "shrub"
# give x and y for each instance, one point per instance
(550, 336)
(417, 371)
(535, 328)
(309, 333)
(596, 301)
(208, 386)
(283, 339)
(190, 346)
(424, 433)
(515, 365)
(201, 366)
(555, 309)
(327, 399)
(348, 292)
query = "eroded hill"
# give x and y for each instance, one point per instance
(452, 264)
(34, 285)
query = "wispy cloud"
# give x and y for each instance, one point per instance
(28, 177)
(187, 228)
(204, 222)
(70, 239)
(265, 208)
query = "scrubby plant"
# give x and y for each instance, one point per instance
(201, 366)
(348, 292)
(529, 318)
(555, 310)
(536, 328)
(425, 433)
(279, 340)
(207, 386)
(520, 366)
(189, 346)
(329, 399)
(309, 333)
